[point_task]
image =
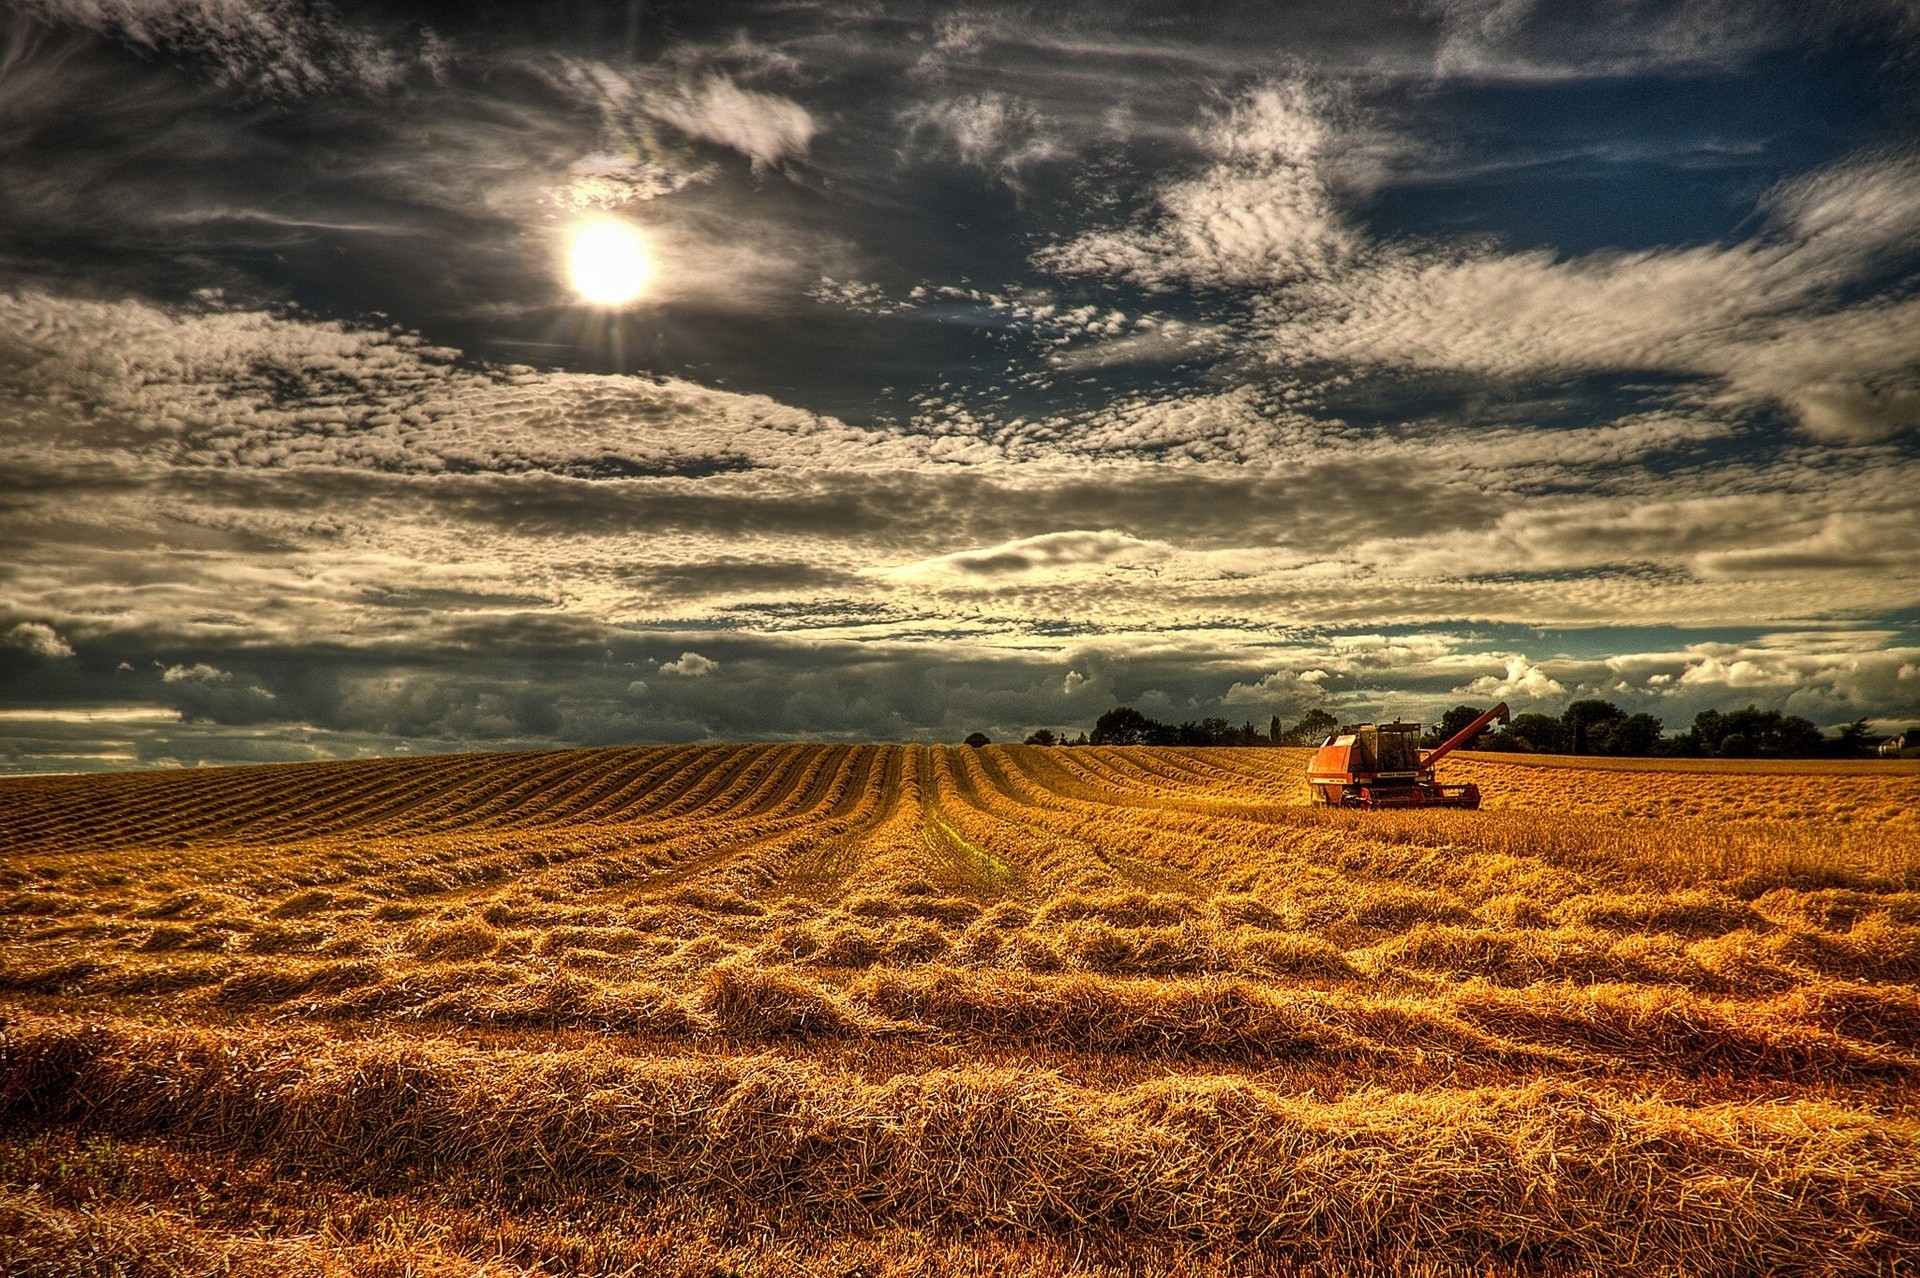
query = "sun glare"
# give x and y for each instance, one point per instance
(607, 262)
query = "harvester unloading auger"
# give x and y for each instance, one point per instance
(1381, 765)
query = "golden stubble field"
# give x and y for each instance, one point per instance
(866, 1010)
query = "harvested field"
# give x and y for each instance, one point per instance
(797, 1009)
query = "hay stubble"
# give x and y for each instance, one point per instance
(796, 1009)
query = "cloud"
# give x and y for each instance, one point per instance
(1244, 450)
(1524, 39)
(765, 127)
(1522, 679)
(691, 665)
(1775, 317)
(1262, 212)
(1284, 689)
(198, 672)
(37, 638)
(276, 48)
(1159, 343)
(90, 714)
(252, 390)
(988, 131)
(1048, 551)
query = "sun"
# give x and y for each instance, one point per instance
(607, 261)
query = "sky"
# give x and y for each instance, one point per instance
(999, 364)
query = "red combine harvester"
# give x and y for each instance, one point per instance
(1380, 765)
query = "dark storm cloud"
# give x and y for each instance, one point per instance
(1003, 362)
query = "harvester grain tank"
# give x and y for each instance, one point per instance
(1381, 765)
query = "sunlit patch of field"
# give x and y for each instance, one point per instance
(797, 1009)
(1867, 792)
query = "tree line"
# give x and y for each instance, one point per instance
(1600, 727)
(1585, 727)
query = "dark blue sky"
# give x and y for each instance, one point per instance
(998, 364)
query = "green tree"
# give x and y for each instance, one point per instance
(1855, 740)
(1534, 733)
(1042, 737)
(1450, 722)
(1766, 733)
(1312, 728)
(977, 739)
(1636, 735)
(1123, 725)
(1588, 723)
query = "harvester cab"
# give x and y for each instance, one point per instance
(1381, 765)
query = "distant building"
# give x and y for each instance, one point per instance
(1904, 746)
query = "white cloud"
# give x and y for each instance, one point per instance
(246, 389)
(765, 127)
(198, 672)
(1056, 551)
(691, 665)
(1739, 673)
(988, 131)
(1766, 318)
(638, 688)
(1522, 679)
(1285, 686)
(1073, 683)
(1262, 213)
(38, 638)
(274, 47)
(1828, 675)
(92, 714)
(1525, 39)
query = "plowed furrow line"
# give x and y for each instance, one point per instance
(1210, 769)
(876, 788)
(1142, 767)
(628, 765)
(1163, 849)
(383, 808)
(690, 790)
(1207, 844)
(1017, 802)
(307, 813)
(645, 850)
(767, 855)
(399, 805)
(524, 803)
(1095, 774)
(892, 795)
(353, 813)
(789, 771)
(1178, 768)
(643, 790)
(1128, 784)
(1260, 773)
(1008, 849)
(462, 805)
(858, 776)
(807, 787)
(159, 814)
(1053, 775)
(733, 783)
(733, 855)
(701, 772)
(1247, 816)
(303, 780)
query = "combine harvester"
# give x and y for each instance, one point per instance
(1380, 765)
